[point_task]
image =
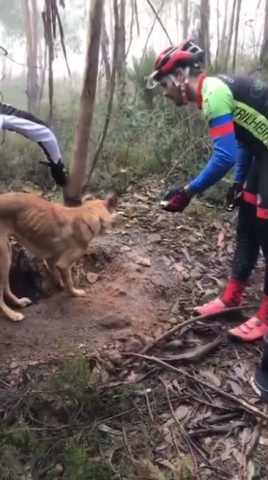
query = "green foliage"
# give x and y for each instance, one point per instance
(147, 135)
(142, 68)
(79, 455)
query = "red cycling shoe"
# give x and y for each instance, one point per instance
(214, 306)
(231, 297)
(254, 328)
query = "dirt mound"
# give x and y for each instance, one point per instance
(127, 297)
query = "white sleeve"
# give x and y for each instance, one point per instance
(37, 132)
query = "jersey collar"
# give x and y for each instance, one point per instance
(199, 89)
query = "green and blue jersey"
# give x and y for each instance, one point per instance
(236, 108)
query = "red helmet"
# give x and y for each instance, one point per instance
(187, 54)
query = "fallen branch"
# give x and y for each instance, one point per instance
(180, 326)
(242, 403)
(195, 353)
(217, 429)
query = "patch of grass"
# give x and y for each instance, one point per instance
(73, 420)
(81, 462)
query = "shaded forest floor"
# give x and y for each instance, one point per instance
(74, 402)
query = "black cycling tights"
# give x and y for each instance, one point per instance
(252, 226)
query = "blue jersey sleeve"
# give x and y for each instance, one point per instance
(218, 107)
(224, 154)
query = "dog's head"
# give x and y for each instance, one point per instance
(104, 209)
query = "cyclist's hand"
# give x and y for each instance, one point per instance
(175, 200)
(233, 196)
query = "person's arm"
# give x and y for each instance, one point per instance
(31, 127)
(218, 109)
(243, 162)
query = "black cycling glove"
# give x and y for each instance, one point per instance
(58, 172)
(233, 196)
(175, 200)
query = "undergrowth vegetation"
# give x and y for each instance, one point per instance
(147, 134)
(75, 421)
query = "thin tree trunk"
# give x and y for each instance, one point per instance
(264, 49)
(111, 28)
(34, 55)
(87, 100)
(218, 35)
(112, 90)
(204, 29)
(105, 54)
(121, 51)
(230, 36)
(185, 19)
(43, 72)
(30, 15)
(238, 10)
(222, 48)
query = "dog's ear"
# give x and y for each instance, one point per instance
(111, 202)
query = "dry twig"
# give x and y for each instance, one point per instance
(242, 403)
(181, 326)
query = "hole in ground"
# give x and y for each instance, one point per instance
(97, 260)
(28, 276)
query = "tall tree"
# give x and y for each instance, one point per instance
(121, 50)
(230, 35)
(238, 13)
(223, 39)
(204, 38)
(31, 22)
(264, 48)
(185, 18)
(87, 100)
(105, 43)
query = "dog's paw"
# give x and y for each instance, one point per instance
(78, 293)
(16, 317)
(24, 302)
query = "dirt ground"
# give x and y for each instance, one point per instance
(142, 280)
(146, 276)
(126, 300)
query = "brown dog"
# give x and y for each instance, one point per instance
(57, 234)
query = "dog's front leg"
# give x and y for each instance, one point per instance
(54, 272)
(64, 265)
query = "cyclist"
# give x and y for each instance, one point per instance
(236, 108)
(29, 126)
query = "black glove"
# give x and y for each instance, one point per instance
(175, 200)
(233, 196)
(58, 172)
